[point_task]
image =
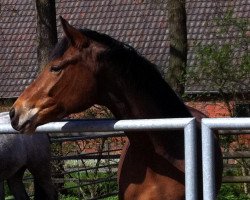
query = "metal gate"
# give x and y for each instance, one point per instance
(208, 125)
(187, 124)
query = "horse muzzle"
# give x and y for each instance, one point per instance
(23, 121)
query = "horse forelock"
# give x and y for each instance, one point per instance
(59, 49)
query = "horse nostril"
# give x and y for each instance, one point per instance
(12, 113)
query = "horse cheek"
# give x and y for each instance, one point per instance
(90, 92)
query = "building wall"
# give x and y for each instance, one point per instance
(212, 108)
(215, 109)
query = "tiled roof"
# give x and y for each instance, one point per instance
(18, 65)
(140, 23)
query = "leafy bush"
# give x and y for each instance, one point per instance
(232, 192)
(111, 198)
(67, 197)
(92, 190)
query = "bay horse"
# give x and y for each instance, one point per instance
(20, 152)
(87, 68)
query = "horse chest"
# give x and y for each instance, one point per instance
(145, 175)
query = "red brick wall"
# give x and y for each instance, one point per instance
(218, 109)
(211, 108)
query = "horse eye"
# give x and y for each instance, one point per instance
(55, 69)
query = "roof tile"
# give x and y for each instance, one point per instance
(139, 23)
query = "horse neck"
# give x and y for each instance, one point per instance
(127, 101)
(160, 101)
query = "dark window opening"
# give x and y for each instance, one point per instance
(242, 110)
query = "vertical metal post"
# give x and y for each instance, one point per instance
(208, 163)
(190, 161)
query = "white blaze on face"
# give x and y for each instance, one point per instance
(27, 115)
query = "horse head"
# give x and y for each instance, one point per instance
(66, 85)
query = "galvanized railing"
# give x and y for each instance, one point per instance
(188, 124)
(208, 125)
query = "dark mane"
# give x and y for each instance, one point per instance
(138, 72)
(108, 41)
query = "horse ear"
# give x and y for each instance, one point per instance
(76, 38)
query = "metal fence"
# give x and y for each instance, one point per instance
(208, 126)
(187, 124)
(95, 157)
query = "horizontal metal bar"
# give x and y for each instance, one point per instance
(84, 183)
(86, 136)
(187, 124)
(105, 125)
(234, 132)
(87, 156)
(84, 169)
(231, 166)
(97, 153)
(236, 179)
(87, 181)
(227, 123)
(236, 154)
(105, 196)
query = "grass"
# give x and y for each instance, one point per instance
(93, 190)
(111, 198)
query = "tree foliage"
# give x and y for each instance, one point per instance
(224, 65)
